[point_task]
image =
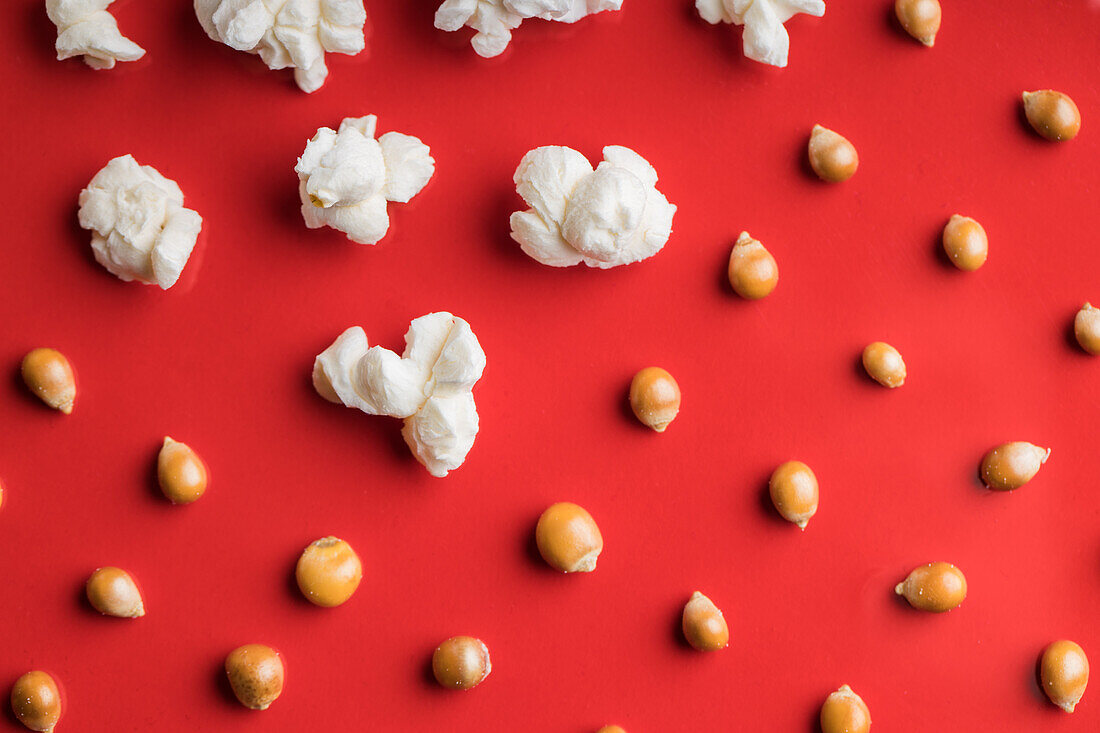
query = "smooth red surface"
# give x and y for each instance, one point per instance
(222, 361)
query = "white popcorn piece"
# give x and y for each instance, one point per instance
(494, 20)
(140, 228)
(288, 33)
(86, 28)
(430, 386)
(764, 38)
(346, 177)
(610, 216)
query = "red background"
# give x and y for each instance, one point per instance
(222, 362)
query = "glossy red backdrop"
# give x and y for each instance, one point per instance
(222, 361)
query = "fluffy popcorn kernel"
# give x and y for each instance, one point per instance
(610, 216)
(288, 33)
(764, 39)
(86, 28)
(346, 177)
(494, 20)
(140, 228)
(430, 386)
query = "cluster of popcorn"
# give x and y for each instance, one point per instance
(297, 34)
(430, 386)
(603, 216)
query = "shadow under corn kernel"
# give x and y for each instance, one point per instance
(803, 162)
(767, 507)
(427, 675)
(860, 373)
(942, 258)
(722, 273)
(1034, 682)
(225, 690)
(626, 412)
(20, 387)
(891, 23)
(531, 549)
(293, 591)
(1069, 333)
(676, 629)
(152, 479)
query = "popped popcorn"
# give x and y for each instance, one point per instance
(86, 28)
(288, 33)
(494, 20)
(140, 228)
(610, 216)
(764, 38)
(429, 386)
(346, 177)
